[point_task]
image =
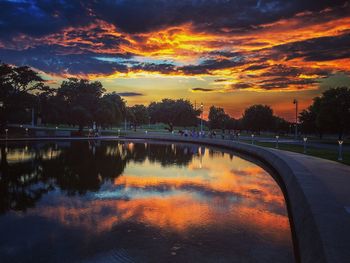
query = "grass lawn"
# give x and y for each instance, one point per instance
(321, 153)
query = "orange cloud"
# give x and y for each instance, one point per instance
(245, 58)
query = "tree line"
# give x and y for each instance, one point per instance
(329, 113)
(80, 102)
(256, 118)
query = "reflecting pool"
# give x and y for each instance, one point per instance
(110, 201)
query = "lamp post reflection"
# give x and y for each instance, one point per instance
(202, 118)
(201, 154)
(295, 101)
(126, 110)
(340, 156)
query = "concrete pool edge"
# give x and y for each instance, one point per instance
(320, 225)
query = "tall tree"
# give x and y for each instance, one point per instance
(309, 119)
(258, 118)
(110, 110)
(18, 84)
(140, 113)
(281, 125)
(80, 98)
(174, 112)
(218, 119)
(334, 110)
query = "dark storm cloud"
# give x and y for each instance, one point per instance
(282, 71)
(220, 80)
(318, 49)
(130, 94)
(208, 65)
(143, 15)
(45, 59)
(276, 83)
(40, 17)
(257, 66)
(285, 83)
(163, 68)
(241, 85)
(202, 89)
(226, 54)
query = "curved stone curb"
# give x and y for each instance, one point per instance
(320, 224)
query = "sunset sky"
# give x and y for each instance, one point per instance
(220, 52)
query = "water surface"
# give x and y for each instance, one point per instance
(137, 202)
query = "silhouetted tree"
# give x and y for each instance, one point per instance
(109, 111)
(218, 119)
(17, 88)
(281, 125)
(258, 118)
(334, 111)
(140, 114)
(80, 99)
(328, 113)
(308, 118)
(173, 112)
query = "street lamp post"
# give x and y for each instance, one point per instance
(126, 109)
(252, 138)
(305, 140)
(295, 101)
(202, 118)
(340, 156)
(6, 131)
(1, 106)
(27, 132)
(33, 118)
(277, 137)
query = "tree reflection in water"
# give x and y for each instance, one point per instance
(27, 172)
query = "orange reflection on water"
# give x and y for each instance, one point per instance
(224, 193)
